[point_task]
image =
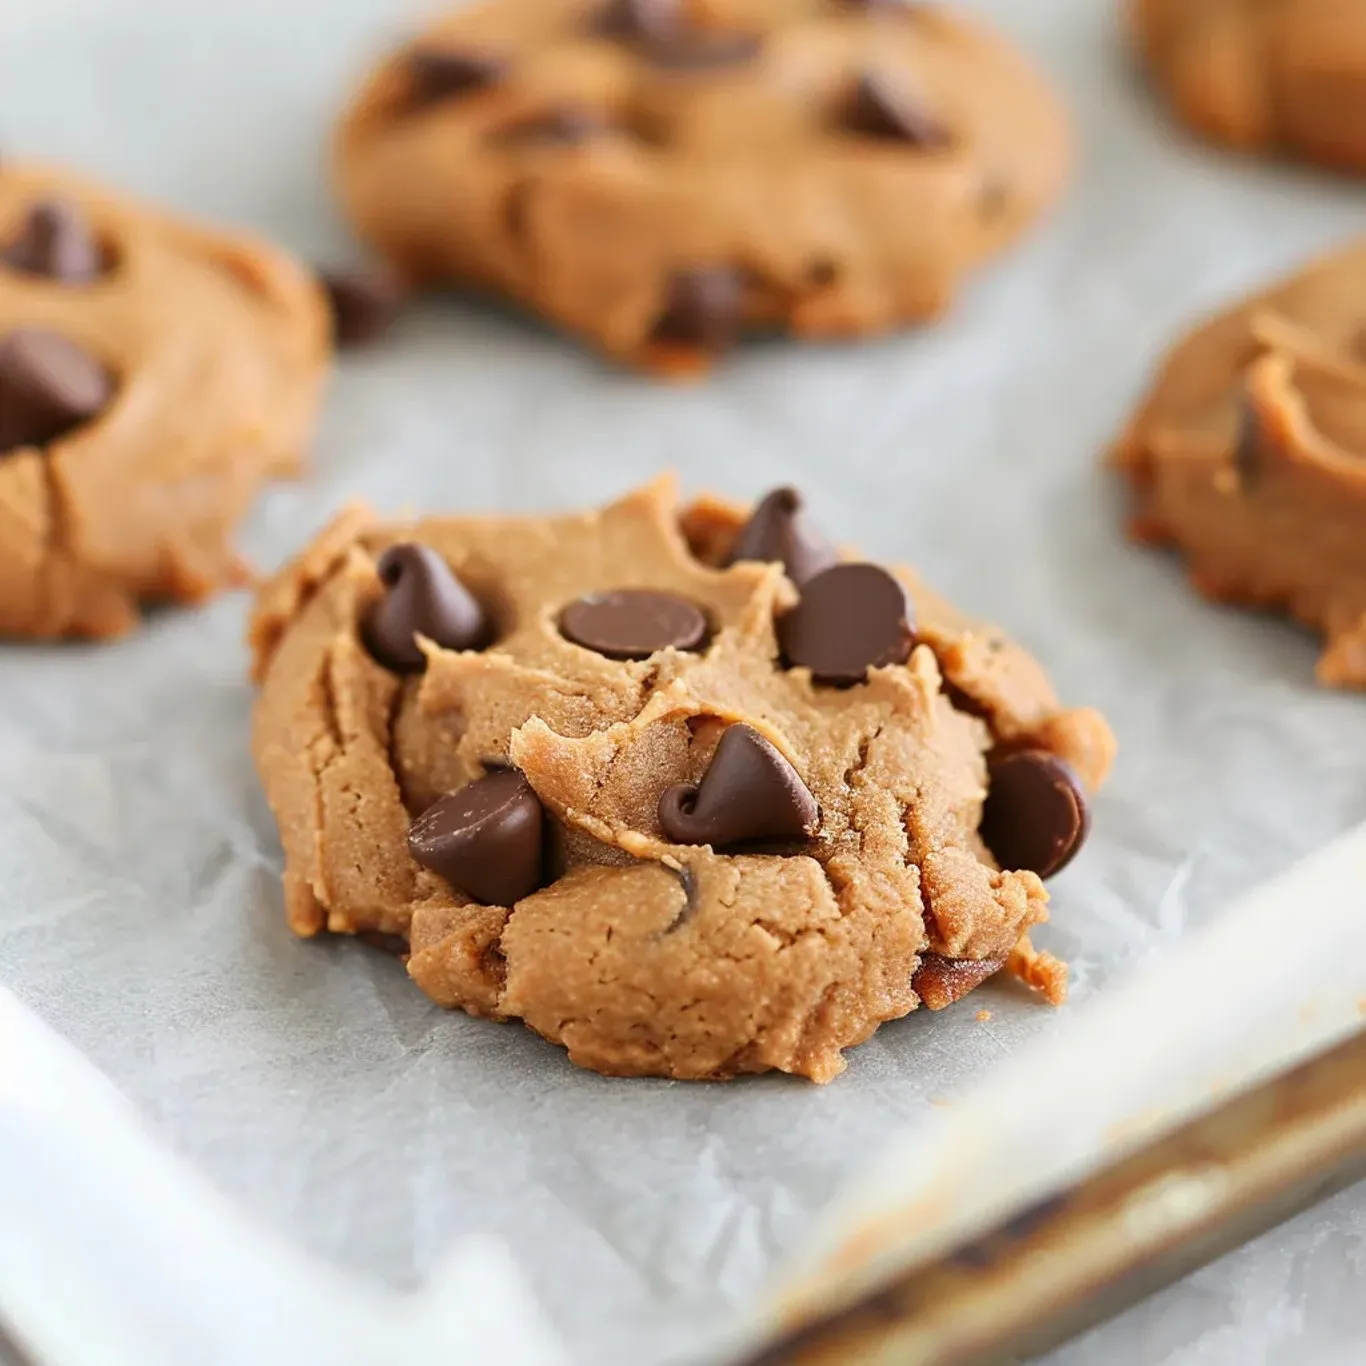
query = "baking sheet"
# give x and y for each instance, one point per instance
(141, 911)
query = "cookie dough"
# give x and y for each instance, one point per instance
(1264, 75)
(681, 788)
(1250, 455)
(152, 373)
(657, 175)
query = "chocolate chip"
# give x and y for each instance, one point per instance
(701, 308)
(565, 124)
(48, 386)
(777, 531)
(1036, 814)
(851, 618)
(484, 839)
(422, 597)
(633, 623)
(699, 50)
(653, 21)
(941, 981)
(442, 73)
(56, 243)
(364, 302)
(879, 108)
(749, 792)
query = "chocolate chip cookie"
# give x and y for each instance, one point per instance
(1250, 455)
(657, 175)
(686, 790)
(1264, 75)
(152, 374)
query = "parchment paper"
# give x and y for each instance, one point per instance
(140, 910)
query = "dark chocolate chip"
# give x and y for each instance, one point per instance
(777, 531)
(701, 308)
(56, 243)
(633, 623)
(941, 981)
(564, 124)
(879, 108)
(422, 597)
(851, 618)
(443, 73)
(700, 50)
(48, 386)
(749, 792)
(364, 302)
(651, 21)
(484, 839)
(1036, 814)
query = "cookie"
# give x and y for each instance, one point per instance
(1263, 75)
(1250, 455)
(152, 373)
(623, 775)
(658, 175)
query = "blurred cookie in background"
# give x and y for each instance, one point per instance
(1249, 454)
(656, 177)
(153, 372)
(1284, 76)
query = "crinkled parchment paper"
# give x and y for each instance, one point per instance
(141, 908)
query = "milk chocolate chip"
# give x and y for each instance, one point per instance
(749, 792)
(701, 308)
(777, 531)
(364, 302)
(48, 386)
(633, 623)
(484, 839)
(442, 73)
(55, 242)
(1036, 815)
(650, 21)
(851, 618)
(881, 108)
(422, 597)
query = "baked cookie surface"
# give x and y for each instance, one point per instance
(152, 373)
(1264, 75)
(678, 787)
(656, 175)
(1249, 454)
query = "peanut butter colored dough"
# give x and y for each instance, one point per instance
(652, 202)
(216, 346)
(1264, 75)
(1249, 454)
(640, 956)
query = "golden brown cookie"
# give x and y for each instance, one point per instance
(1264, 75)
(1250, 455)
(152, 374)
(656, 175)
(625, 776)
